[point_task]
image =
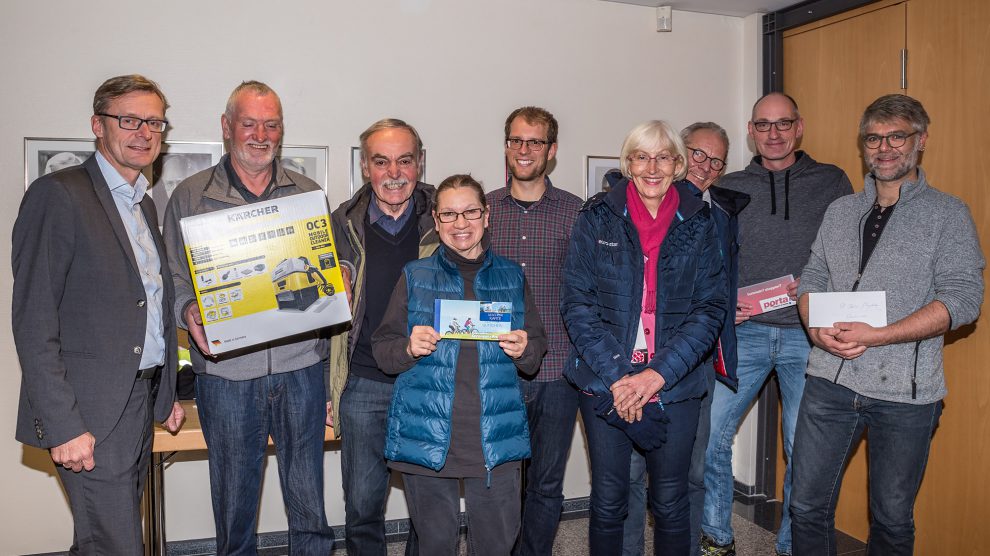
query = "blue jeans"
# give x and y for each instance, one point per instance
(237, 418)
(364, 410)
(635, 525)
(761, 348)
(552, 410)
(830, 424)
(609, 450)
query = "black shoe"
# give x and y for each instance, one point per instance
(711, 548)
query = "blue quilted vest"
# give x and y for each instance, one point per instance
(419, 417)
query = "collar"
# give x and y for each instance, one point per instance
(375, 212)
(505, 194)
(909, 189)
(120, 186)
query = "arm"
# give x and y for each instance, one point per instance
(529, 355)
(43, 246)
(579, 306)
(186, 309)
(394, 348)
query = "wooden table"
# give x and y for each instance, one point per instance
(166, 444)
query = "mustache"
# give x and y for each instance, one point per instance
(395, 183)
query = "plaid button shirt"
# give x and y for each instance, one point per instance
(537, 238)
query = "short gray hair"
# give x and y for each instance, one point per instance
(258, 88)
(654, 135)
(391, 123)
(711, 126)
(116, 87)
(893, 107)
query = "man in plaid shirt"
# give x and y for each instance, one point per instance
(530, 222)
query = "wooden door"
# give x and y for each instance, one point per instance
(949, 72)
(835, 68)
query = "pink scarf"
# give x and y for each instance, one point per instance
(652, 232)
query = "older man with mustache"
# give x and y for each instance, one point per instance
(385, 225)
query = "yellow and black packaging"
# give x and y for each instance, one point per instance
(265, 271)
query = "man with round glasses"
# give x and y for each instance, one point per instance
(918, 245)
(789, 193)
(98, 363)
(530, 222)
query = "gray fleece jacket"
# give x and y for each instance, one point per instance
(928, 251)
(777, 227)
(209, 191)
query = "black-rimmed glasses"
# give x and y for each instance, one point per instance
(781, 125)
(701, 156)
(131, 123)
(449, 216)
(894, 140)
(516, 143)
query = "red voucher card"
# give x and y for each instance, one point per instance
(768, 296)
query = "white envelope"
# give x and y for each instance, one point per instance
(826, 309)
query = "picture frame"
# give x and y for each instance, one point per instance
(177, 161)
(308, 160)
(43, 155)
(595, 168)
(357, 177)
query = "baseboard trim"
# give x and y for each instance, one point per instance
(395, 531)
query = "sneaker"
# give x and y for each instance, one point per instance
(711, 548)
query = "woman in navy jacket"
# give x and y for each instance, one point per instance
(643, 299)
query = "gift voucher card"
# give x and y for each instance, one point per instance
(472, 320)
(768, 296)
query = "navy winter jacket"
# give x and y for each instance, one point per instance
(727, 204)
(601, 298)
(419, 416)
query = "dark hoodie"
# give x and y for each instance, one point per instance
(777, 228)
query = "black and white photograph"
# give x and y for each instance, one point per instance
(594, 174)
(310, 161)
(178, 161)
(45, 155)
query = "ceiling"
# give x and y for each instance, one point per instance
(738, 8)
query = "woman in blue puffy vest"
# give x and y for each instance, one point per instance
(457, 415)
(643, 299)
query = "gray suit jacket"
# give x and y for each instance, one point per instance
(79, 309)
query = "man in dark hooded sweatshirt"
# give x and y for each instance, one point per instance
(789, 193)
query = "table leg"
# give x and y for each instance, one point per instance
(155, 530)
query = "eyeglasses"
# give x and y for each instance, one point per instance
(781, 125)
(516, 143)
(131, 123)
(449, 216)
(701, 156)
(641, 159)
(894, 140)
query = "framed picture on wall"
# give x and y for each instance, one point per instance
(308, 160)
(45, 155)
(177, 161)
(594, 173)
(357, 178)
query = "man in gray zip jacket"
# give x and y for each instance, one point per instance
(919, 245)
(272, 389)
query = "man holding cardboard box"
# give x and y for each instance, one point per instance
(273, 389)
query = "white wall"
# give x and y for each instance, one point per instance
(452, 68)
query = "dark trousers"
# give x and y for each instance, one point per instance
(830, 423)
(491, 511)
(364, 408)
(106, 502)
(609, 449)
(237, 418)
(552, 410)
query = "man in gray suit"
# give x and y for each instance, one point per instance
(94, 337)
